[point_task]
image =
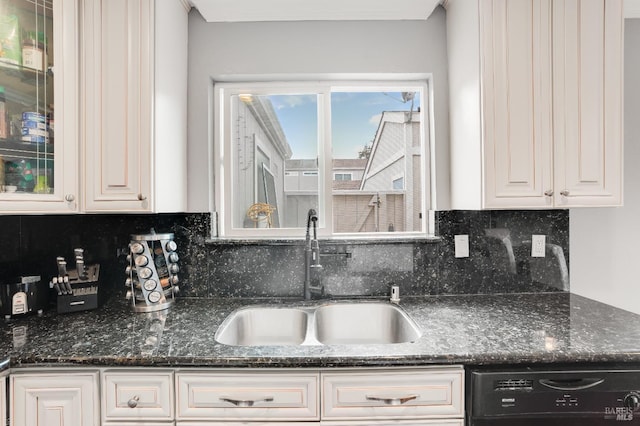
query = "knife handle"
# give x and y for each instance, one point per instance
(56, 286)
(67, 284)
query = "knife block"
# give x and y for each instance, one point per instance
(84, 295)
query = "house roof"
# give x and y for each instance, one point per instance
(349, 163)
(345, 185)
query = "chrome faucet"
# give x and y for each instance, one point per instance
(312, 266)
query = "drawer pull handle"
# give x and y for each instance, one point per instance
(392, 400)
(246, 402)
(133, 402)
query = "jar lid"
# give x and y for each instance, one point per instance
(29, 42)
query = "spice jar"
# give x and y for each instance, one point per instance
(33, 54)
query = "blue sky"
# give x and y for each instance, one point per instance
(355, 118)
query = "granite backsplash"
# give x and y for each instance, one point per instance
(500, 255)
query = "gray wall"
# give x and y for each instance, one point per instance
(605, 242)
(236, 51)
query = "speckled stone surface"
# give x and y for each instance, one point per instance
(482, 329)
(265, 268)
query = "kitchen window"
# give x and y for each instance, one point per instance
(281, 149)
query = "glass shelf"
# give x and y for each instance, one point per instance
(12, 149)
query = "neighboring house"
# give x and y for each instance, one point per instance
(260, 150)
(347, 173)
(301, 185)
(301, 191)
(378, 194)
(392, 176)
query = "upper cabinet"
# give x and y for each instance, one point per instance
(38, 105)
(112, 76)
(134, 105)
(536, 103)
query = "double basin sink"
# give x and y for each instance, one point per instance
(336, 323)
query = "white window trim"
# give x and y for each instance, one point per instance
(222, 175)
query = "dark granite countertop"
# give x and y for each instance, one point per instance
(476, 329)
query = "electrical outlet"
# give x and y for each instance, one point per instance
(538, 245)
(461, 245)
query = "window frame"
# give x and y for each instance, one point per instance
(221, 173)
(343, 174)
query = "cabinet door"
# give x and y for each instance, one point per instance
(3, 399)
(247, 396)
(54, 400)
(117, 121)
(38, 159)
(137, 395)
(588, 85)
(516, 102)
(393, 394)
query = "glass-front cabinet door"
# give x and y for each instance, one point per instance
(38, 105)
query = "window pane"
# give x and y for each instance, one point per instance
(274, 148)
(376, 137)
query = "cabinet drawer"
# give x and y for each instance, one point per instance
(247, 396)
(388, 394)
(421, 422)
(137, 395)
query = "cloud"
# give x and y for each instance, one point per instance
(292, 101)
(375, 119)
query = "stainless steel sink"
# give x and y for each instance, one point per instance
(259, 326)
(326, 324)
(364, 323)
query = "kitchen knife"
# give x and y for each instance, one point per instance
(80, 265)
(56, 286)
(62, 266)
(67, 285)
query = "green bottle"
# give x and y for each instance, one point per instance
(27, 182)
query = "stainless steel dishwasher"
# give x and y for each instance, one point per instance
(535, 397)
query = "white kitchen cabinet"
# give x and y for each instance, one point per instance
(587, 103)
(134, 103)
(393, 394)
(54, 398)
(3, 397)
(138, 395)
(536, 103)
(338, 397)
(235, 395)
(47, 91)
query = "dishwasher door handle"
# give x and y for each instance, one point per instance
(571, 385)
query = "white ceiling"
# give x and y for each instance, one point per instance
(632, 8)
(332, 10)
(313, 10)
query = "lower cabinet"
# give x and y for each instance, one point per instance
(247, 395)
(392, 394)
(146, 396)
(54, 398)
(138, 395)
(3, 398)
(338, 397)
